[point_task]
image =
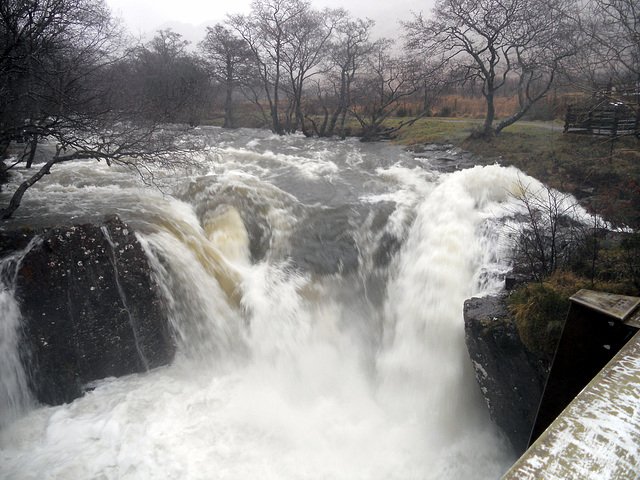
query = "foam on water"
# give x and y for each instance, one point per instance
(14, 392)
(283, 374)
(437, 271)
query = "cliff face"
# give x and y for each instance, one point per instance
(90, 309)
(511, 377)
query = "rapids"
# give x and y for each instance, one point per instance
(315, 290)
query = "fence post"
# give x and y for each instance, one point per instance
(566, 119)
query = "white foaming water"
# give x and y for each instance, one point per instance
(14, 393)
(284, 374)
(424, 371)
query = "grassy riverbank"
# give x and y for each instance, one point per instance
(585, 166)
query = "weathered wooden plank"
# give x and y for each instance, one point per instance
(598, 434)
(617, 306)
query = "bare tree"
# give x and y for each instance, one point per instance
(288, 40)
(60, 80)
(229, 62)
(50, 49)
(489, 41)
(349, 47)
(138, 146)
(307, 45)
(608, 66)
(387, 80)
(267, 31)
(615, 27)
(550, 232)
(173, 80)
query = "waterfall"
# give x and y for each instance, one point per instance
(315, 295)
(15, 397)
(440, 266)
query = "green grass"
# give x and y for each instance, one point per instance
(540, 309)
(435, 131)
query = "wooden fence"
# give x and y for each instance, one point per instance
(611, 119)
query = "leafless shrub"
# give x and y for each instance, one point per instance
(550, 233)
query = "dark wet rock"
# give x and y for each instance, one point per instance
(387, 248)
(14, 241)
(511, 377)
(445, 158)
(513, 280)
(260, 236)
(325, 252)
(388, 244)
(90, 309)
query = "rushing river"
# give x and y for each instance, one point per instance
(315, 290)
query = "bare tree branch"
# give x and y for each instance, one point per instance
(492, 41)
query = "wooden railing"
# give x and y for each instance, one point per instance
(610, 119)
(596, 434)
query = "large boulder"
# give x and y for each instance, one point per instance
(90, 309)
(512, 378)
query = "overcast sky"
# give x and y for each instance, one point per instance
(146, 16)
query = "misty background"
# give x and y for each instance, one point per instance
(190, 18)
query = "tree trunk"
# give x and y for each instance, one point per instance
(32, 150)
(277, 128)
(510, 120)
(487, 127)
(525, 103)
(14, 203)
(228, 108)
(342, 120)
(333, 121)
(325, 120)
(299, 116)
(341, 110)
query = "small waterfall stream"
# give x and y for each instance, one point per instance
(315, 292)
(15, 397)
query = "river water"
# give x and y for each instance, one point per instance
(315, 290)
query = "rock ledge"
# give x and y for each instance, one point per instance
(511, 377)
(90, 309)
